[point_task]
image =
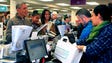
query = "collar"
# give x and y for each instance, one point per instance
(19, 17)
(87, 23)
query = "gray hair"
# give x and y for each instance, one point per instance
(83, 11)
(19, 5)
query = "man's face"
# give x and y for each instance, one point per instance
(79, 20)
(35, 19)
(23, 11)
(54, 16)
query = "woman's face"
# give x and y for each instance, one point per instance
(95, 19)
(47, 15)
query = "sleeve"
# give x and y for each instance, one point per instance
(86, 31)
(102, 43)
(81, 42)
(8, 31)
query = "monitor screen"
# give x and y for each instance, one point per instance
(35, 49)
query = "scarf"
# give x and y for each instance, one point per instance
(95, 31)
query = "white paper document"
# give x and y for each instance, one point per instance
(19, 34)
(40, 28)
(63, 29)
(67, 52)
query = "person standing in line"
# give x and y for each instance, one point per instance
(99, 43)
(35, 20)
(46, 19)
(56, 21)
(84, 16)
(18, 19)
(67, 19)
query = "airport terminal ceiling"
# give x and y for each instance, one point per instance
(55, 4)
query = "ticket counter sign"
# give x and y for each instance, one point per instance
(1, 31)
(77, 2)
(3, 8)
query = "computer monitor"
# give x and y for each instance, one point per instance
(35, 49)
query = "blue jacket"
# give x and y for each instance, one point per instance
(85, 32)
(100, 50)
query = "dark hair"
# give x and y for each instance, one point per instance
(110, 7)
(35, 12)
(104, 11)
(19, 5)
(66, 16)
(43, 16)
(83, 12)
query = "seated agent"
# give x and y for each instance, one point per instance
(99, 43)
(18, 19)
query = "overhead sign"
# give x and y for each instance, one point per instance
(3, 8)
(77, 2)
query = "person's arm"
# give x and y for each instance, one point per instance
(99, 45)
(8, 31)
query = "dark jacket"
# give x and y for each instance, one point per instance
(100, 50)
(15, 21)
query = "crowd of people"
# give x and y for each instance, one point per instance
(94, 29)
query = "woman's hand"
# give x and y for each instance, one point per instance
(81, 47)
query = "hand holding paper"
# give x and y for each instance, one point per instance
(19, 34)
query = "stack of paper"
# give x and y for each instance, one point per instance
(19, 34)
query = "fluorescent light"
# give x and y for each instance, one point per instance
(33, 2)
(75, 7)
(55, 9)
(92, 3)
(62, 4)
(27, 4)
(3, 5)
(38, 9)
(45, 7)
(64, 10)
(30, 8)
(46, 0)
(2, 0)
